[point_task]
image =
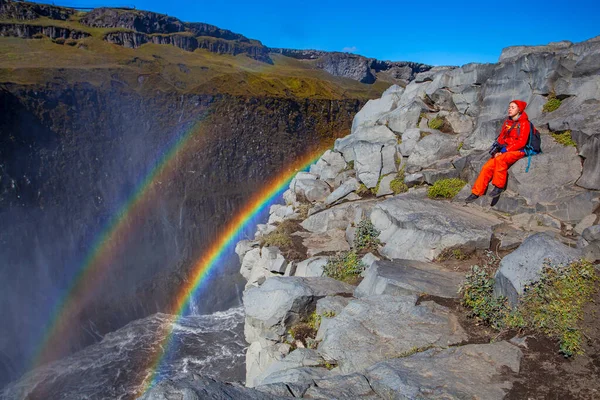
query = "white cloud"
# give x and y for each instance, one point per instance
(349, 49)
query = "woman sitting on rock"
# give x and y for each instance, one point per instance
(510, 144)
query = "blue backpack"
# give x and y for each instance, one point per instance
(534, 144)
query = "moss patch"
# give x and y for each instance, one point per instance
(564, 138)
(397, 184)
(445, 188)
(551, 105)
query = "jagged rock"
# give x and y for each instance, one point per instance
(264, 229)
(389, 154)
(285, 389)
(279, 213)
(473, 371)
(249, 261)
(347, 65)
(346, 188)
(297, 375)
(337, 217)
(368, 260)
(349, 387)
(403, 118)
(589, 149)
(459, 122)
(431, 176)
(384, 185)
(290, 270)
(281, 302)
(592, 234)
(258, 358)
(195, 387)
(585, 223)
(363, 333)
(260, 263)
(328, 166)
(21, 10)
(379, 135)
(432, 148)
(414, 179)
(311, 267)
(401, 277)
(309, 187)
(368, 162)
(410, 137)
(333, 304)
(290, 198)
(333, 240)
(525, 264)
(244, 246)
(371, 111)
(419, 229)
(298, 358)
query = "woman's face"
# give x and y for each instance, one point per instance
(513, 110)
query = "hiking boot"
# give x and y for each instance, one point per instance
(496, 192)
(472, 197)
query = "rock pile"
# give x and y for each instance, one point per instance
(378, 340)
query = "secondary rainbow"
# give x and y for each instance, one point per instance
(96, 264)
(227, 239)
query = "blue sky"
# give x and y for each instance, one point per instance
(434, 32)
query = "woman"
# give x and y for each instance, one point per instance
(512, 139)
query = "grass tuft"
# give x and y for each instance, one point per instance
(436, 123)
(445, 188)
(551, 105)
(564, 138)
(397, 184)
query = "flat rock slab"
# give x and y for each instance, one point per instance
(419, 229)
(333, 240)
(351, 386)
(376, 328)
(195, 387)
(282, 301)
(468, 372)
(525, 264)
(400, 277)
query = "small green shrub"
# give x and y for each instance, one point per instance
(563, 138)
(397, 184)
(554, 305)
(551, 105)
(445, 188)
(460, 146)
(366, 236)
(477, 293)
(436, 123)
(280, 237)
(344, 266)
(449, 254)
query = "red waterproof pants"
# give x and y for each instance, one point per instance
(495, 169)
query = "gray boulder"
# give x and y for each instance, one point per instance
(349, 387)
(283, 301)
(384, 185)
(592, 234)
(328, 166)
(311, 267)
(195, 387)
(410, 137)
(332, 241)
(419, 229)
(364, 332)
(475, 371)
(403, 118)
(371, 111)
(370, 134)
(401, 277)
(309, 187)
(299, 358)
(351, 185)
(337, 217)
(259, 357)
(432, 148)
(525, 264)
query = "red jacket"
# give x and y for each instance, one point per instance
(517, 138)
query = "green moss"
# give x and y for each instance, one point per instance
(551, 105)
(281, 236)
(452, 254)
(436, 123)
(425, 133)
(366, 236)
(344, 267)
(460, 146)
(445, 188)
(563, 138)
(397, 184)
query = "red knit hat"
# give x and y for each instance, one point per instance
(520, 104)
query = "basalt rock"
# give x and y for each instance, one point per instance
(33, 31)
(21, 10)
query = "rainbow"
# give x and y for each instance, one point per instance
(97, 262)
(227, 239)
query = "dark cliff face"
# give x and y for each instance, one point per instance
(31, 31)
(140, 21)
(72, 156)
(29, 11)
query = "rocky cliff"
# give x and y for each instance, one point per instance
(313, 336)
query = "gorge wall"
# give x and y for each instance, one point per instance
(73, 155)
